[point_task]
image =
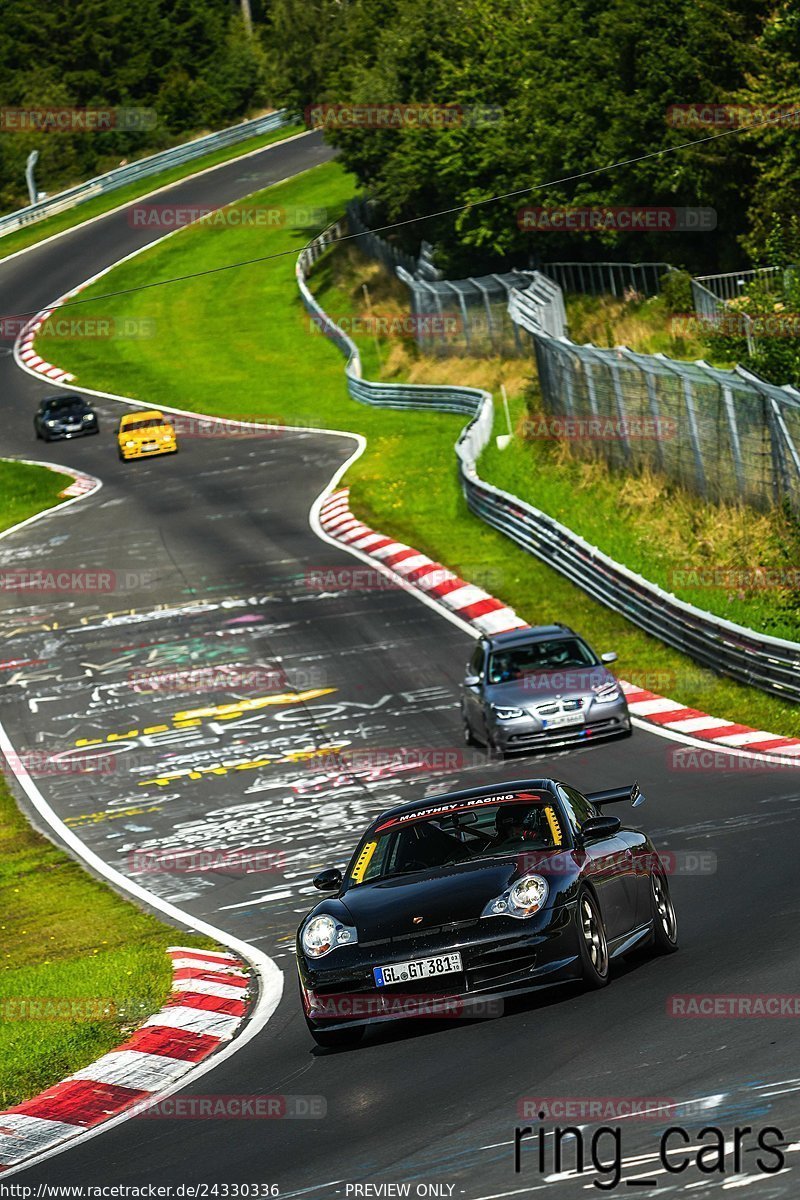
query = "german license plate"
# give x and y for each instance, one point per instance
(561, 719)
(420, 968)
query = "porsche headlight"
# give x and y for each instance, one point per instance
(129, 445)
(528, 895)
(523, 899)
(323, 934)
(505, 712)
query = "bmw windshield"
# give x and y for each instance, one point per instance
(531, 658)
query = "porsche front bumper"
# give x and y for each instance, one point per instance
(501, 957)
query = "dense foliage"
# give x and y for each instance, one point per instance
(579, 84)
(545, 89)
(190, 61)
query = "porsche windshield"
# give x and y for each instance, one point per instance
(555, 654)
(408, 844)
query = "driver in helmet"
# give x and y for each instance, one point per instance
(520, 826)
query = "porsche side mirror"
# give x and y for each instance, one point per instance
(328, 881)
(600, 827)
(609, 657)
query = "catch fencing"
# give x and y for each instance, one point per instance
(726, 435)
(604, 278)
(474, 313)
(471, 314)
(142, 168)
(771, 664)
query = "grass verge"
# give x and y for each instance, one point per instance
(722, 558)
(644, 325)
(70, 945)
(25, 491)
(249, 329)
(39, 230)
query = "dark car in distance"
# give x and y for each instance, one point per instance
(475, 895)
(66, 416)
(540, 687)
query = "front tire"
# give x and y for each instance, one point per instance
(665, 923)
(592, 942)
(469, 736)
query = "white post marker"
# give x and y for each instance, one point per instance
(504, 439)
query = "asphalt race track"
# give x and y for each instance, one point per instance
(215, 567)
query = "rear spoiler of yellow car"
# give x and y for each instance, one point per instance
(617, 795)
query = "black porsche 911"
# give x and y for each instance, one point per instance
(478, 895)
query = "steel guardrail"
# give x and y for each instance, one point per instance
(141, 168)
(768, 663)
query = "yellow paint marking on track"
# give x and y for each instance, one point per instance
(245, 764)
(243, 706)
(96, 817)
(223, 712)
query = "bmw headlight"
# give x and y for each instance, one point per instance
(51, 421)
(505, 712)
(323, 934)
(605, 693)
(521, 900)
(88, 416)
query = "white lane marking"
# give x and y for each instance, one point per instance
(155, 192)
(269, 975)
(746, 1180)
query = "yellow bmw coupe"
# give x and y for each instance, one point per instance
(142, 434)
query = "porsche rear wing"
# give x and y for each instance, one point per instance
(617, 795)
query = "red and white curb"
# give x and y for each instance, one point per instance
(25, 348)
(672, 715)
(491, 616)
(468, 602)
(82, 485)
(210, 1000)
